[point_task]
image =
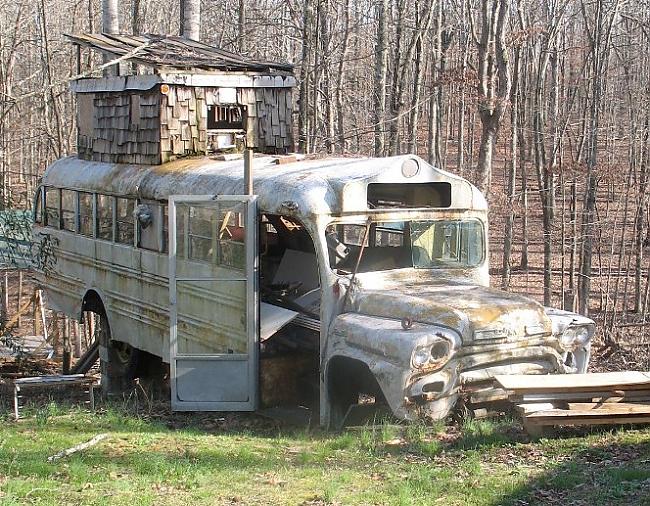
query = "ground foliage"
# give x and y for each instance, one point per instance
(160, 457)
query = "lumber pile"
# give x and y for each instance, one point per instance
(579, 399)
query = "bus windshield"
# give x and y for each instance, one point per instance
(421, 244)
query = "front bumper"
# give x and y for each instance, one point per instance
(471, 371)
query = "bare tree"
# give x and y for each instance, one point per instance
(381, 62)
(191, 19)
(494, 81)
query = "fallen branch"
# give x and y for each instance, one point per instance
(78, 448)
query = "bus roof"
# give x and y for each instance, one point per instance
(304, 187)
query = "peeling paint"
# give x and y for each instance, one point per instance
(480, 331)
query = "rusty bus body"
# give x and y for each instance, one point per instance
(359, 275)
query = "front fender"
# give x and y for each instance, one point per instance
(386, 348)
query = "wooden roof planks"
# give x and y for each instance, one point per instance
(579, 399)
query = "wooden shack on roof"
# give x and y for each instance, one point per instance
(188, 98)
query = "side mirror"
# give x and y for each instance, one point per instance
(337, 249)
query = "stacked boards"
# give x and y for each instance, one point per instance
(579, 399)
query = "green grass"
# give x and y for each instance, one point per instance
(187, 459)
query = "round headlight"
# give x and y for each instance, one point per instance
(440, 350)
(574, 337)
(581, 335)
(568, 337)
(421, 357)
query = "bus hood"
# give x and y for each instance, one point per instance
(477, 313)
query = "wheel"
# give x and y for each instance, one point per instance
(118, 360)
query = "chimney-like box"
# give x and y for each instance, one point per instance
(196, 99)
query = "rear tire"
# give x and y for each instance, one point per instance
(118, 360)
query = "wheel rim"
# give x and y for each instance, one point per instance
(123, 351)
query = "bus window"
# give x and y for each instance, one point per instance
(52, 207)
(125, 220)
(200, 234)
(38, 209)
(105, 217)
(68, 210)
(232, 249)
(86, 214)
(165, 230)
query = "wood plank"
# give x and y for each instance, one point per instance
(562, 382)
(641, 409)
(602, 396)
(526, 409)
(620, 407)
(603, 420)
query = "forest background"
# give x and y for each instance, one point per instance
(543, 104)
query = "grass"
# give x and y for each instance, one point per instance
(186, 459)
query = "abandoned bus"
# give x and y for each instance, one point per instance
(339, 277)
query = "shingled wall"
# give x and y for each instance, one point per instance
(119, 127)
(151, 127)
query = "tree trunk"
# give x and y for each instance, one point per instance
(110, 24)
(191, 19)
(340, 116)
(512, 176)
(381, 65)
(241, 26)
(136, 19)
(110, 16)
(493, 82)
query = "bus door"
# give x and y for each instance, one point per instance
(213, 267)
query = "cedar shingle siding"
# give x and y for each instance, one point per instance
(149, 127)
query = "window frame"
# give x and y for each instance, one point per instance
(38, 207)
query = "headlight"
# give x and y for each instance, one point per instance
(421, 357)
(431, 355)
(575, 337)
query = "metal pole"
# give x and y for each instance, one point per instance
(248, 171)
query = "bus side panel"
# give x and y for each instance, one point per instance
(132, 282)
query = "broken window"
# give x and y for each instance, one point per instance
(401, 195)
(225, 117)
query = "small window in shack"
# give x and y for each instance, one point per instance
(225, 117)
(409, 195)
